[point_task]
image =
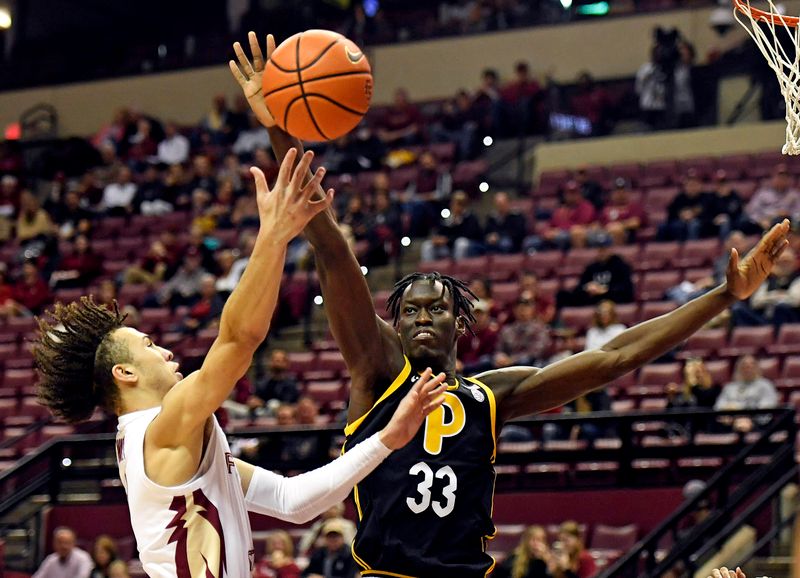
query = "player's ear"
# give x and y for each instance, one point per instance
(461, 325)
(124, 373)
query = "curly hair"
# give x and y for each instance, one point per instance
(461, 294)
(74, 355)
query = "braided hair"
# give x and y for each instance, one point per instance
(461, 294)
(74, 355)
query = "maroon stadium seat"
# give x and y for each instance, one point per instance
(720, 370)
(704, 343)
(617, 538)
(632, 172)
(734, 166)
(627, 313)
(655, 309)
(443, 266)
(746, 340)
(331, 360)
(655, 283)
(472, 268)
(577, 318)
(659, 173)
(575, 261)
(659, 199)
(504, 267)
(660, 374)
(325, 392)
(770, 367)
(302, 361)
(698, 253)
(505, 293)
(544, 263)
(788, 340)
(657, 256)
(703, 166)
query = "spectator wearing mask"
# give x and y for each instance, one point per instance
(505, 229)
(67, 560)
(459, 236)
(334, 560)
(686, 212)
(605, 326)
(776, 301)
(568, 224)
(697, 390)
(104, 552)
(572, 560)
(525, 341)
(609, 277)
(772, 202)
(530, 559)
(620, 219)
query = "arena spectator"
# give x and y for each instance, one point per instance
(279, 559)
(31, 292)
(254, 137)
(104, 552)
(683, 86)
(182, 288)
(505, 228)
(357, 217)
(724, 209)
(591, 102)
(158, 263)
(458, 122)
(530, 559)
(697, 390)
(621, 218)
(9, 202)
(278, 385)
(232, 172)
(572, 560)
(118, 195)
(203, 174)
(458, 236)
(525, 341)
(387, 224)
(67, 560)
(174, 149)
(482, 289)
(72, 216)
(488, 100)
(651, 88)
(142, 144)
(544, 304)
(772, 202)
(206, 311)
(686, 212)
(8, 307)
(33, 221)
(118, 569)
(748, 389)
(476, 348)
(608, 277)
(312, 538)
(334, 560)
(520, 97)
(308, 411)
(402, 121)
(79, 268)
(569, 223)
(605, 325)
(245, 212)
(433, 183)
(777, 300)
(216, 121)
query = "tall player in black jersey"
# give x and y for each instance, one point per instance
(426, 511)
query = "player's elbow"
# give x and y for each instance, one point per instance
(617, 362)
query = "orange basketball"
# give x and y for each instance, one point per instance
(317, 85)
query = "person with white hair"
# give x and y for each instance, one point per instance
(67, 560)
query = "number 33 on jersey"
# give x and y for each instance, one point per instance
(432, 499)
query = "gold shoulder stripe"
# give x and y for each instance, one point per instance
(492, 411)
(398, 381)
(384, 573)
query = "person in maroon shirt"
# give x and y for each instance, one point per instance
(620, 219)
(569, 223)
(79, 268)
(31, 291)
(476, 349)
(591, 102)
(572, 560)
(402, 122)
(521, 100)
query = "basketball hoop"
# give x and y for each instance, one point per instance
(770, 30)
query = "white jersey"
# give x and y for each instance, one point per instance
(199, 529)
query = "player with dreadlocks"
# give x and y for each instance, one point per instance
(188, 498)
(426, 511)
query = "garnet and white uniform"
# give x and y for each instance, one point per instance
(199, 529)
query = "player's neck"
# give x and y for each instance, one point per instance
(437, 366)
(140, 400)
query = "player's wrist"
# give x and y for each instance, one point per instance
(390, 439)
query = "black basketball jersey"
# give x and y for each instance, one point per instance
(426, 511)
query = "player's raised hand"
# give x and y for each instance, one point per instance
(425, 397)
(725, 573)
(286, 209)
(746, 275)
(250, 75)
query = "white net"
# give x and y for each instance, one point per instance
(778, 38)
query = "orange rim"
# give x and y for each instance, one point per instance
(763, 16)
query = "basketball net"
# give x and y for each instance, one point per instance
(770, 30)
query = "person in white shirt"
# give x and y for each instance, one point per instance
(748, 390)
(67, 560)
(174, 149)
(188, 497)
(118, 196)
(605, 326)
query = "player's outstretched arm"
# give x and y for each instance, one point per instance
(283, 212)
(525, 390)
(301, 498)
(370, 346)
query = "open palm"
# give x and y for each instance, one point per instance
(250, 75)
(745, 276)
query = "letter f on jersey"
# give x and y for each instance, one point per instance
(436, 428)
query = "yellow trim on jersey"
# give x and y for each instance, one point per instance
(384, 573)
(358, 502)
(358, 559)
(492, 412)
(398, 381)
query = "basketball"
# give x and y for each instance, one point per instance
(317, 85)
